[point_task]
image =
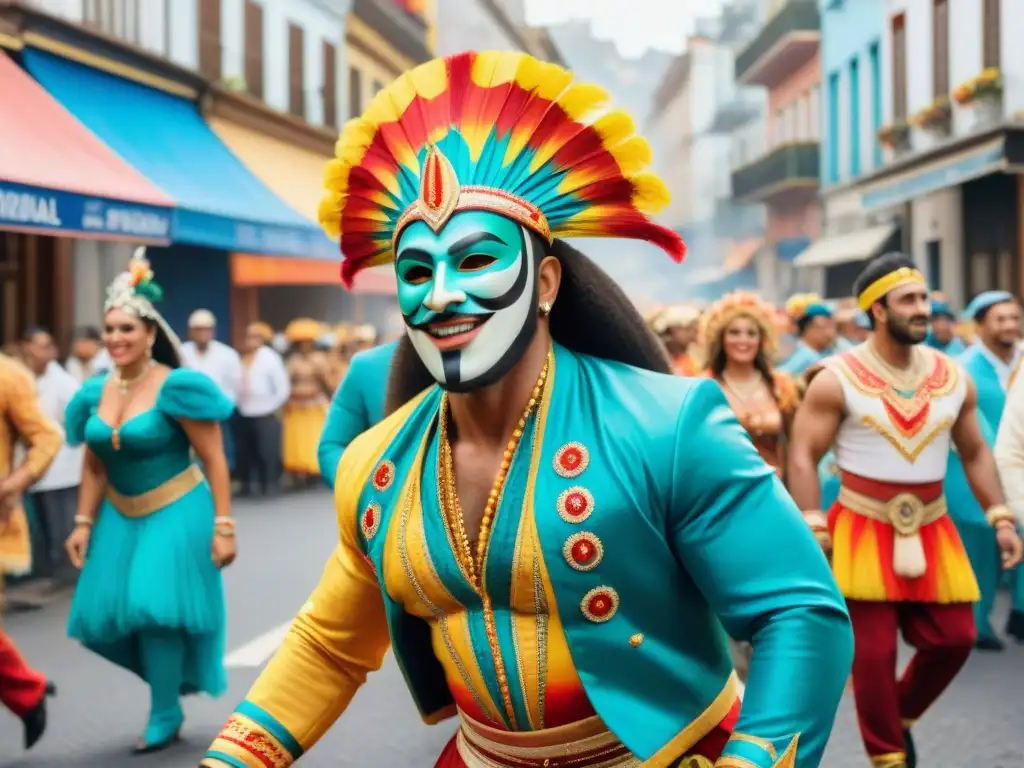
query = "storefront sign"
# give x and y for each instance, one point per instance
(24, 207)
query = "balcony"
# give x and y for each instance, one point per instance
(787, 41)
(405, 30)
(785, 168)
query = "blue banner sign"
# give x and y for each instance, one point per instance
(23, 207)
(257, 237)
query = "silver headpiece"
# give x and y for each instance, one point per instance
(134, 292)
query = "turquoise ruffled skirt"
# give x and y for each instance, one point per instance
(155, 573)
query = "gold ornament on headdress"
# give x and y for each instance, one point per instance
(719, 315)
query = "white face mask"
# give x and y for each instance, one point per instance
(469, 296)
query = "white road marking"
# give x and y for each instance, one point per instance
(257, 651)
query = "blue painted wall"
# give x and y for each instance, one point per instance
(193, 278)
(850, 33)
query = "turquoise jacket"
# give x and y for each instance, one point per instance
(358, 405)
(954, 347)
(699, 535)
(804, 357)
(991, 396)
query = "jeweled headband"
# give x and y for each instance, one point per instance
(492, 131)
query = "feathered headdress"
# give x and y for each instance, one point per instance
(797, 304)
(134, 290)
(737, 304)
(490, 131)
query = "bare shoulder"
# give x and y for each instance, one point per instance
(824, 390)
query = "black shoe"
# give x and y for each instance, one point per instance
(1015, 626)
(35, 721)
(147, 749)
(989, 644)
(909, 749)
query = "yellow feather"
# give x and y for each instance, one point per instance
(329, 215)
(492, 68)
(553, 82)
(614, 127)
(582, 99)
(430, 80)
(633, 155)
(650, 195)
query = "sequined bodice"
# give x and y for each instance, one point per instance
(153, 449)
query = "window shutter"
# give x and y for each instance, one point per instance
(209, 39)
(296, 86)
(330, 86)
(254, 48)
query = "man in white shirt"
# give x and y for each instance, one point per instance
(88, 357)
(55, 495)
(265, 390)
(217, 360)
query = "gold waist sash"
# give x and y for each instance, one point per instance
(164, 494)
(584, 744)
(907, 514)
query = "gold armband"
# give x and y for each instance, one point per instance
(1000, 513)
(815, 520)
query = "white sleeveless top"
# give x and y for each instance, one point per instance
(887, 436)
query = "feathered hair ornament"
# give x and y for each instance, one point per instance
(134, 290)
(797, 305)
(738, 304)
(490, 131)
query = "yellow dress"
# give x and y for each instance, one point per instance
(304, 415)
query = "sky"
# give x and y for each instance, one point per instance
(634, 25)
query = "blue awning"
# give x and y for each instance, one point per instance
(219, 202)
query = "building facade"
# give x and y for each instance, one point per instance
(853, 94)
(953, 147)
(490, 25)
(248, 95)
(784, 58)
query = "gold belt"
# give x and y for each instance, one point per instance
(164, 494)
(582, 744)
(906, 513)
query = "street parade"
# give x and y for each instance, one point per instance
(508, 442)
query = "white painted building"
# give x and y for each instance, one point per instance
(171, 29)
(954, 182)
(482, 25)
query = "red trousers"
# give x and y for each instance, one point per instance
(711, 746)
(21, 687)
(943, 636)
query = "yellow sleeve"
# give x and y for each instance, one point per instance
(339, 636)
(43, 436)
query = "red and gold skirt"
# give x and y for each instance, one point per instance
(587, 743)
(863, 548)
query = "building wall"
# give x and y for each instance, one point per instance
(670, 131)
(794, 106)
(965, 43)
(169, 28)
(793, 218)
(850, 32)
(464, 24)
(939, 217)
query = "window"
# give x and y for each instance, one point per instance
(933, 249)
(833, 127)
(330, 87)
(254, 48)
(209, 39)
(855, 118)
(355, 92)
(899, 67)
(876, 102)
(940, 48)
(991, 47)
(296, 80)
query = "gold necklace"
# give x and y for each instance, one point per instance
(452, 511)
(123, 384)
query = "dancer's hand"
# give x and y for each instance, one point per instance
(224, 550)
(1010, 545)
(77, 544)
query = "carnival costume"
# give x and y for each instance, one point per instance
(896, 553)
(357, 405)
(577, 638)
(306, 410)
(150, 597)
(767, 422)
(977, 534)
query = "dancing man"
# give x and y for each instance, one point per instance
(22, 690)
(550, 541)
(892, 406)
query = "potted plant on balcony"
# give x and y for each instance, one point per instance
(983, 92)
(895, 136)
(935, 117)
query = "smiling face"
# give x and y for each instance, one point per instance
(742, 340)
(126, 337)
(469, 296)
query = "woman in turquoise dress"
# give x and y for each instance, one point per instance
(151, 534)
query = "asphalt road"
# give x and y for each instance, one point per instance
(100, 711)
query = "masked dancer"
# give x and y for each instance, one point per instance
(893, 406)
(492, 528)
(151, 534)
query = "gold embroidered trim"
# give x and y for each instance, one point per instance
(704, 723)
(757, 741)
(910, 454)
(890, 760)
(156, 499)
(247, 741)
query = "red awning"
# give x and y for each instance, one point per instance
(45, 146)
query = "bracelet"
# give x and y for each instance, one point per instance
(224, 520)
(84, 520)
(1000, 513)
(224, 533)
(815, 520)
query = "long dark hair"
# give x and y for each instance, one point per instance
(592, 316)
